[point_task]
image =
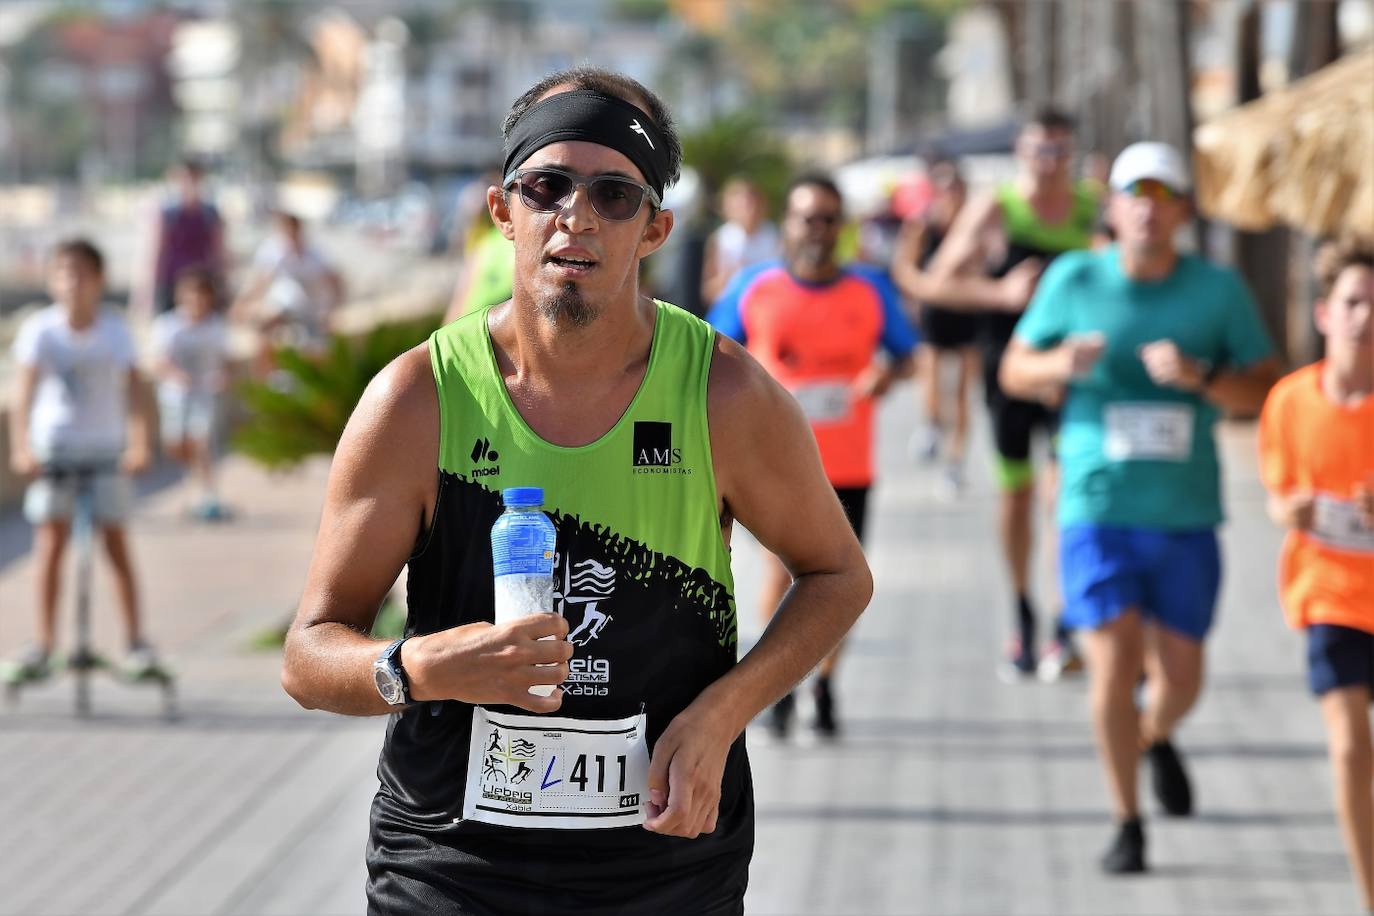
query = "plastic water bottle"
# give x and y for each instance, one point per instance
(522, 547)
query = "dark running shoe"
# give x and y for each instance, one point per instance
(780, 717)
(1126, 855)
(825, 724)
(1170, 779)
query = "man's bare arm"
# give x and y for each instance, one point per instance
(770, 478)
(381, 488)
(955, 279)
(1040, 375)
(1238, 391)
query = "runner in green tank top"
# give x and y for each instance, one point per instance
(1017, 230)
(643, 427)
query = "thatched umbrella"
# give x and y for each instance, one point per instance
(1303, 155)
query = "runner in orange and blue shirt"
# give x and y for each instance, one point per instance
(818, 328)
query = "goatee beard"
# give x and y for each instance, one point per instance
(569, 305)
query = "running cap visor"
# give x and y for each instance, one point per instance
(585, 114)
(1151, 161)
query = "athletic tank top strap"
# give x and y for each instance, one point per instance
(1025, 228)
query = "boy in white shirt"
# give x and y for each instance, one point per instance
(191, 364)
(76, 381)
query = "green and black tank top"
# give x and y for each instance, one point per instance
(1029, 236)
(643, 576)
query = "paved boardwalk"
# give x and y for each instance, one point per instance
(950, 793)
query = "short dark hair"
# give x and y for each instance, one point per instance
(607, 82)
(1334, 258)
(83, 250)
(814, 180)
(1051, 118)
(201, 278)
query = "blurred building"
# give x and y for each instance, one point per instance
(378, 96)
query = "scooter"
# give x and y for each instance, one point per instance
(83, 660)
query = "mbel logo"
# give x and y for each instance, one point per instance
(654, 445)
(482, 451)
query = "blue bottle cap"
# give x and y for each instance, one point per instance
(523, 496)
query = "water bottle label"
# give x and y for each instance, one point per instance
(523, 545)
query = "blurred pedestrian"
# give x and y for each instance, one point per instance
(291, 294)
(745, 239)
(188, 234)
(190, 363)
(836, 338)
(78, 395)
(947, 335)
(1016, 230)
(488, 273)
(1145, 347)
(1317, 460)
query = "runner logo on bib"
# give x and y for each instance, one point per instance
(1147, 431)
(556, 772)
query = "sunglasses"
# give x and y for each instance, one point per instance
(1051, 150)
(611, 196)
(1154, 190)
(820, 220)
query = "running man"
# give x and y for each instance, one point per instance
(78, 394)
(1146, 346)
(1317, 459)
(642, 425)
(947, 334)
(1018, 229)
(818, 328)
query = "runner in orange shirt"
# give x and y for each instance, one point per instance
(1317, 458)
(817, 327)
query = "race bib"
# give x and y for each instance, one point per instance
(1338, 523)
(548, 772)
(824, 402)
(1145, 431)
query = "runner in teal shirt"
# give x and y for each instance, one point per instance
(1202, 307)
(1145, 346)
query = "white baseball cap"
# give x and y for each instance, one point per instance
(1157, 161)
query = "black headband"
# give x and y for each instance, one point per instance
(585, 114)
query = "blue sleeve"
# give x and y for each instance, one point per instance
(1246, 340)
(727, 313)
(899, 336)
(1045, 322)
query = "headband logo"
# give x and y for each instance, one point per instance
(635, 126)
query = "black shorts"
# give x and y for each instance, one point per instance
(1014, 421)
(946, 329)
(1339, 656)
(855, 503)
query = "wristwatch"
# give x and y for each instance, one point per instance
(390, 677)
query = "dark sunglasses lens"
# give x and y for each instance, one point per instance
(616, 199)
(545, 191)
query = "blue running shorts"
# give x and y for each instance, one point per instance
(1172, 577)
(1339, 656)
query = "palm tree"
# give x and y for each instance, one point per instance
(303, 410)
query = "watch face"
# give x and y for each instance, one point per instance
(387, 685)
